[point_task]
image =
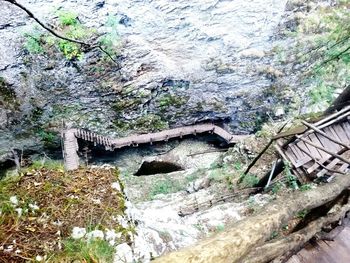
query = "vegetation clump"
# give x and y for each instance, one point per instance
(165, 187)
(41, 207)
(34, 41)
(169, 100)
(146, 123)
(69, 26)
(322, 51)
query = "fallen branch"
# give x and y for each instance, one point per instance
(208, 151)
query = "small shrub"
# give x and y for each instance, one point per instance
(238, 166)
(33, 42)
(301, 214)
(150, 122)
(274, 235)
(110, 41)
(291, 179)
(191, 177)
(321, 94)
(48, 164)
(252, 205)
(216, 175)
(70, 50)
(249, 180)
(220, 228)
(95, 250)
(305, 187)
(67, 18)
(215, 165)
(47, 137)
(276, 188)
(164, 187)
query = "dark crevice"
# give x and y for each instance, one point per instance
(157, 167)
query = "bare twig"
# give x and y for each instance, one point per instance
(208, 151)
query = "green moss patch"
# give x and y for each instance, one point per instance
(146, 123)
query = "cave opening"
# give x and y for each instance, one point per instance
(157, 167)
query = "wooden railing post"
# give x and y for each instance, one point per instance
(70, 150)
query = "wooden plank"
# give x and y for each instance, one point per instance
(331, 165)
(302, 158)
(332, 133)
(311, 163)
(344, 167)
(328, 143)
(341, 134)
(311, 169)
(291, 157)
(279, 150)
(303, 147)
(296, 151)
(313, 150)
(300, 175)
(346, 127)
(316, 141)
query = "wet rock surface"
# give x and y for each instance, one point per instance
(181, 63)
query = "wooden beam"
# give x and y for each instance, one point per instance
(325, 134)
(326, 151)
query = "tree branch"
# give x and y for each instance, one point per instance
(335, 57)
(87, 46)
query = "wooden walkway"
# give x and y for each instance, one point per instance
(337, 251)
(70, 137)
(322, 150)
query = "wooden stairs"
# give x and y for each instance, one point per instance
(70, 137)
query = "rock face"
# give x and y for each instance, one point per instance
(182, 62)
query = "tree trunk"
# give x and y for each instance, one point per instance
(294, 241)
(340, 102)
(234, 244)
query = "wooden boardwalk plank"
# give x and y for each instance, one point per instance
(331, 165)
(341, 134)
(291, 157)
(346, 127)
(317, 141)
(328, 144)
(302, 158)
